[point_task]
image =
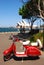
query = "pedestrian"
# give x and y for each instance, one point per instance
(23, 29)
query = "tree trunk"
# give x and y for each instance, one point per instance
(32, 21)
(31, 26)
(42, 16)
(41, 10)
(43, 37)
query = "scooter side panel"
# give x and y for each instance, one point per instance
(33, 51)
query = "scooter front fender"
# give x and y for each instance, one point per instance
(9, 50)
(6, 52)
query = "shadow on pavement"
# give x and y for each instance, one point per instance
(25, 58)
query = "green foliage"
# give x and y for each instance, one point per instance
(32, 39)
(20, 11)
(37, 36)
(29, 9)
(24, 12)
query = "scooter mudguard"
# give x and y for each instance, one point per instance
(9, 50)
(33, 51)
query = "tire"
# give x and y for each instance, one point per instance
(7, 57)
(35, 57)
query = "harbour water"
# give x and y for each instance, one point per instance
(9, 29)
(12, 29)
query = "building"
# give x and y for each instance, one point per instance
(25, 24)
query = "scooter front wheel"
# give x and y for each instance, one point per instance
(7, 57)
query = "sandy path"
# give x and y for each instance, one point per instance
(5, 43)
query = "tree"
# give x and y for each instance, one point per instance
(26, 12)
(33, 8)
(37, 4)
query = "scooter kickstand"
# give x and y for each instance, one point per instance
(22, 60)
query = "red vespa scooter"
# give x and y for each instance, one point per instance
(29, 51)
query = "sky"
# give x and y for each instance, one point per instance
(9, 15)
